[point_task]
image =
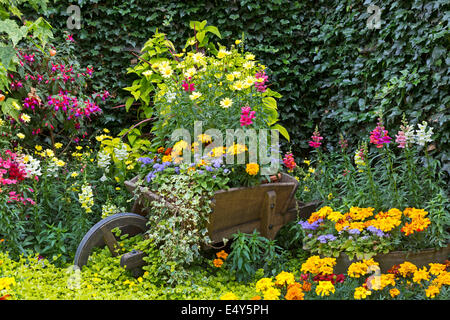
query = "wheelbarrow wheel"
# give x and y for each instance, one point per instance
(100, 234)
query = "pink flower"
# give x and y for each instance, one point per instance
(289, 161)
(246, 116)
(379, 136)
(316, 138)
(401, 139)
(70, 38)
(260, 85)
(188, 87)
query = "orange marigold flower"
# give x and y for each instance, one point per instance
(306, 287)
(294, 293)
(394, 292)
(161, 150)
(218, 263)
(256, 298)
(222, 254)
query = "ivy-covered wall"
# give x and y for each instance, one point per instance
(332, 70)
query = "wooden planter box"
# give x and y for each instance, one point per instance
(386, 261)
(266, 208)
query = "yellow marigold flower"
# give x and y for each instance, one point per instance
(20, 135)
(179, 146)
(335, 216)
(78, 147)
(394, 292)
(357, 269)
(252, 169)
(407, 268)
(361, 293)
(58, 145)
(324, 288)
(442, 279)
(263, 284)
(284, 278)
(236, 149)
(414, 213)
(218, 263)
(237, 41)
(432, 291)
(272, 294)
(38, 147)
(421, 274)
(229, 296)
(167, 158)
(105, 130)
(307, 162)
(436, 268)
(74, 174)
(204, 138)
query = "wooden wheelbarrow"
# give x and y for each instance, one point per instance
(266, 208)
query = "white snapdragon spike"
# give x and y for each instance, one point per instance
(33, 167)
(121, 153)
(86, 198)
(52, 169)
(409, 133)
(103, 159)
(422, 135)
(170, 96)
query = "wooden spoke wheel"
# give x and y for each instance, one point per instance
(100, 234)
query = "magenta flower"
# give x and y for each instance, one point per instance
(246, 116)
(70, 38)
(379, 136)
(316, 138)
(188, 87)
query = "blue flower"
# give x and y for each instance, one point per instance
(145, 160)
(310, 226)
(354, 231)
(208, 168)
(150, 176)
(177, 170)
(376, 231)
(226, 171)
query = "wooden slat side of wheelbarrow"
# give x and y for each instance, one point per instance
(266, 208)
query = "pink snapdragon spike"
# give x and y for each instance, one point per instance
(261, 86)
(379, 136)
(315, 139)
(246, 116)
(401, 139)
(188, 87)
(289, 161)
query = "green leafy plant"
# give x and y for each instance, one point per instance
(251, 252)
